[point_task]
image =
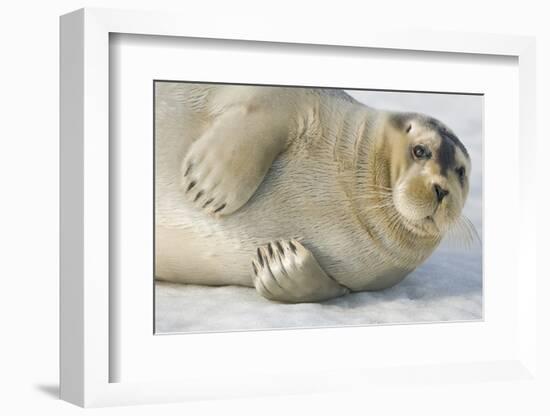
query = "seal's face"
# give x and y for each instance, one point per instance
(430, 171)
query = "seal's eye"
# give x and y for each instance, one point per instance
(461, 172)
(421, 152)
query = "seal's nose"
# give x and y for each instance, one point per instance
(440, 193)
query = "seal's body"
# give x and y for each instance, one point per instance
(304, 194)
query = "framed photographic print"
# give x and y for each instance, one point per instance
(251, 215)
(328, 187)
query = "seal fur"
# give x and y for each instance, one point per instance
(311, 169)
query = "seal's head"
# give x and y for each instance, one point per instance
(429, 172)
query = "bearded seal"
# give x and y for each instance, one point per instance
(305, 194)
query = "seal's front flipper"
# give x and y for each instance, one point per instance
(224, 167)
(286, 271)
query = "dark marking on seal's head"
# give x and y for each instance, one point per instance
(445, 155)
(445, 133)
(449, 142)
(448, 145)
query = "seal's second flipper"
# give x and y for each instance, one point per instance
(224, 167)
(286, 271)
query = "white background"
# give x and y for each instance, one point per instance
(29, 207)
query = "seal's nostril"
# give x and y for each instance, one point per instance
(440, 192)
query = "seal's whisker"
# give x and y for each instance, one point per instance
(455, 235)
(462, 233)
(395, 223)
(375, 200)
(465, 233)
(378, 206)
(387, 205)
(471, 228)
(371, 189)
(374, 193)
(369, 186)
(370, 202)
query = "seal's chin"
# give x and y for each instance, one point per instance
(430, 223)
(439, 223)
(425, 227)
(424, 222)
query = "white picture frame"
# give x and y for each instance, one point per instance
(85, 343)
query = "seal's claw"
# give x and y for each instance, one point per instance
(286, 271)
(230, 160)
(212, 180)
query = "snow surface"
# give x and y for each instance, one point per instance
(447, 287)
